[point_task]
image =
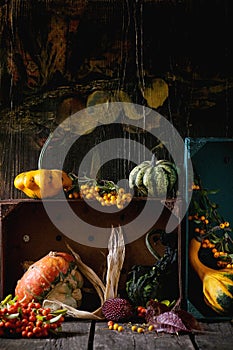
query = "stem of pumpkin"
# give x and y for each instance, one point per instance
(153, 160)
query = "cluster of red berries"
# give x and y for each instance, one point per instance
(28, 320)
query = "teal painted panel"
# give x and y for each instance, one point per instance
(212, 161)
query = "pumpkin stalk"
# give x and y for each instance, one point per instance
(153, 160)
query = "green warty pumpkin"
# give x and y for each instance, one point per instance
(154, 178)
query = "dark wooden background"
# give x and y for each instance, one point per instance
(54, 53)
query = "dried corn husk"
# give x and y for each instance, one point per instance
(115, 260)
(90, 275)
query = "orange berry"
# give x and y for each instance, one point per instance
(134, 328)
(222, 225)
(110, 323)
(140, 330)
(197, 229)
(202, 218)
(115, 326)
(120, 328)
(227, 224)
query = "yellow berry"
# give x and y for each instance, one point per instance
(121, 191)
(110, 327)
(226, 224)
(140, 330)
(115, 326)
(134, 328)
(150, 328)
(120, 328)
(221, 225)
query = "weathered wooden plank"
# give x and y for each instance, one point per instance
(218, 336)
(128, 340)
(74, 335)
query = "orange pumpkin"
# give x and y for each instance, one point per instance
(43, 275)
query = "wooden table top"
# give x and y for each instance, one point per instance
(91, 335)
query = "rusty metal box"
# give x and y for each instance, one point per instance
(27, 234)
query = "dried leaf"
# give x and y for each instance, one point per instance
(169, 322)
(90, 275)
(189, 320)
(70, 311)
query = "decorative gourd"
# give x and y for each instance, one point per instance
(217, 284)
(42, 183)
(155, 178)
(52, 277)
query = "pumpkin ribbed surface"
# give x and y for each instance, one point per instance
(154, 178)
(217, 284)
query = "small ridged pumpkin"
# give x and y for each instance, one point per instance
(155, 178)
(217, 284)
(53, 276)
(42, 183)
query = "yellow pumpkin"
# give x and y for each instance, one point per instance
(217, 284)
(42, 183)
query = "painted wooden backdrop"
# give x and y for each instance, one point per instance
(174, 56)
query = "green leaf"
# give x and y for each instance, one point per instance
(55, 319)
(59, 312)
(11, 316)
(6, 300)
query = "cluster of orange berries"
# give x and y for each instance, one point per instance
(202, 220)
(142, 328)
(116, 197)
(196, 187)
(206, 243)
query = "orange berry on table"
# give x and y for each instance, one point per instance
(120, 328)
(134, 328)
(110, 323)
(140, 330)
(115, 326)
(150, 328)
